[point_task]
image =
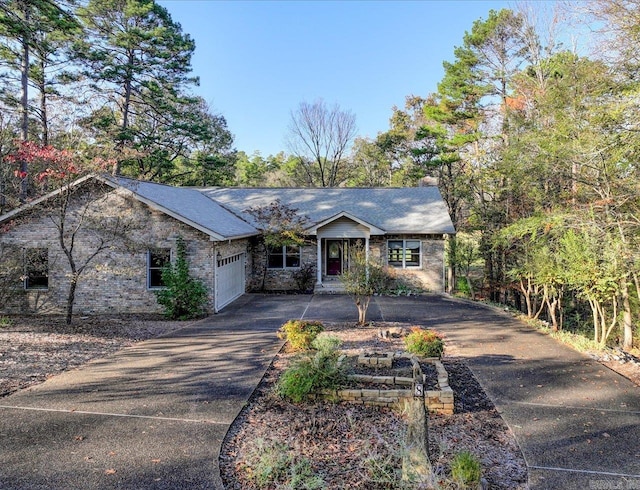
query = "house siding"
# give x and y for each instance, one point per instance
(115, 280)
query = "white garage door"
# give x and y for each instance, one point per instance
(230, 279)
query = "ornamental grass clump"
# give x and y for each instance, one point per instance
(424, 343)
(300, 333)
(311, 373)
(466, 470)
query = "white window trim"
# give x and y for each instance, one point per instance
(149, 268)
(284, 259)
(404, 253)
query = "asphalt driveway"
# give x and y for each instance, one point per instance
(153, 416)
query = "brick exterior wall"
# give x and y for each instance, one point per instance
(115, 280)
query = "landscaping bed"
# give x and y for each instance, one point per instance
(355, 446)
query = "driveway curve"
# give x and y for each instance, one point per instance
(153, 416)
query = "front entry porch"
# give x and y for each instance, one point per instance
(333, 261)
(335, 238)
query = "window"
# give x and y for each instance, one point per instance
(157, 259)
(404, 253)
(286, 257)
(36, 268)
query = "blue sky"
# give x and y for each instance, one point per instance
(257, 60)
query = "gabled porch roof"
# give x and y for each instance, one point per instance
(373, 230)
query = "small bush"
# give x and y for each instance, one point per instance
(300, 333)
(183, 296)
(5, 321)
(424, 343)
(466, 469)
(272, 463)
(326, 343)
(309, 374)
(268, 463)
(305, 277)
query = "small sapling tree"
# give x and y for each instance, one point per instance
(364, 278)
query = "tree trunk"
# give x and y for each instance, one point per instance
(72, 296)
(362, 303)
(24, 108)
(44, 118)
(627, 319)
(451, 258)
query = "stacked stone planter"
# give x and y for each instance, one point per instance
(437, 401)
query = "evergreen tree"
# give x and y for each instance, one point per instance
(183, 296)
(140, 60)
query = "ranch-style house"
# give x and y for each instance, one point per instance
(135, 224)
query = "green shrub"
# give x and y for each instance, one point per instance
(5, 321)
(300, 333)
(183, 297)
(466, 469)
(268, 463)
(326, 343)
(312, 373)
(424, 343)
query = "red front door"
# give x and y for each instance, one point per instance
(334, 257)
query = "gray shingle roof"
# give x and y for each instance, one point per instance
(221, 212)
(190, 206)
(394, 210)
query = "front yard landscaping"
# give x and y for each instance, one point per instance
(276, 443)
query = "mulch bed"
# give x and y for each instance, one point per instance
(34, 348)
(347, 445)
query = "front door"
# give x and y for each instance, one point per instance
(337, 255)
(334, 257)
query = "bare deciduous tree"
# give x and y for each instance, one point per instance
(319, 137)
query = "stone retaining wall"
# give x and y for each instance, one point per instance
(437, 401)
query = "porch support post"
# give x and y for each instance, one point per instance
(319, 262)
(366, 253)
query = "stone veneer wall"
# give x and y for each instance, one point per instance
(116, 280)
(278, 279)
(430, 275)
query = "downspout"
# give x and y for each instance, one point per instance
(319, 261)
(215, 279)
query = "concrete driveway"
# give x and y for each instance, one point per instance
(149, 417)
(153, 416)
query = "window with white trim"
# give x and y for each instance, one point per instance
(404, 253)
(36, 268)
(285, 257)
(157, 260)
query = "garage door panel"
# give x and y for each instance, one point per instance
(230, 279)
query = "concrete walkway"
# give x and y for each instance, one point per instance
(154, 416)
